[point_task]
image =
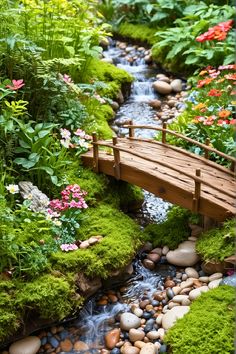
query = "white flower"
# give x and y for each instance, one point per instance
(65, 143)
(57, 222)
(13, 188)
(83, 144)
(65, 134)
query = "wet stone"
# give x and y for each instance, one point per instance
(54, 342)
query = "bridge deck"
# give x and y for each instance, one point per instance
(216, 200)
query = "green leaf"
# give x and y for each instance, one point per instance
(191, 59)
(24, 144)
(24, 162)
(43, 133)
(54, 180)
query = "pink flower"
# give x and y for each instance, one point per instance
(68, 247)
(16, 85)
(65, 134)
(232, 121)
(67, 79)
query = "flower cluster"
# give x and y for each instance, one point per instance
(218, 32)
(72, 197)
(78, 140)
(68, 247)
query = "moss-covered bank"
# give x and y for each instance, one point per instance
(208, 327)
(138, 33)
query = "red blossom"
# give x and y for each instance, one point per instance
(16, 85)
(230, 76)
(214, 92)
(218, 32)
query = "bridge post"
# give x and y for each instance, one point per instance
(164, 126)
(95, 153)
(131, 130)
(206, 152)
(116, 154)
(197, 193)
(233, 166)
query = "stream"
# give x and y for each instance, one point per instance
(101, 313)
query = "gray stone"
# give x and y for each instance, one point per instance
(162, 87)
(28, 345)
(128, 321)
(39, 201)
(184, 255)
(215, 276)
(171, 316)
(176, 85)
(191, 272)
(135, 335)
(197, 292)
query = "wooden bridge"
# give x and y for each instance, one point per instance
(172, 173)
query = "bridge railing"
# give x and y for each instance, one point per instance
(206, 147)
(197, 180)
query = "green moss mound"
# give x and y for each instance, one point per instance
(121, 238)
(208, 327)
(138, 32)
(52, 297)
(171, 232)
(217, 244)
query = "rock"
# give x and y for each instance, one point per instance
(214, 283)
(112, 338)
(162, 87)
(148, 264)
(213, 267)
(197, 292)
(87, 286)
(120, 97)
(171, 103)
(153, 335)
(230, 280)
(138, 312)
(148, 348)
(161, 333)
(215, 276)
(54, 342)
(107, 60)
(186, 302)
(147, 247)
(176, 290)
(28, 345)
(92, 240)
(172, 304)
(164, 79)
(186, 284)
(163, 348)
(169, 283)
(179, 298)
(80, 346)
(115, 105)
(155, 104)
(184, 255)
(170, 293)
(172, 315)
(165, 250)
(157, 250)
(159, 319)
(66, 345)
(196, 230)
(204, 279)
(39, 201)
(136, 335)
(144, 303)
(176, 85)
(184, 276)
(115, 351)
(84, 244)
(130, 350)
(128, 321)
(191, 272)
(104, 42)
(154, 257)
(148, 59)
(139, 344)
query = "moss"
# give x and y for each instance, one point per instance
(171, 232)
(208, 327)
(52, 297)
(217, 244)
(121, 238)
(9, 316)
(138, 32)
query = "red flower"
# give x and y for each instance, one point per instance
(214, 92)
(221, 122)
(230, 76)
(16, 85)
(218, 32)
(204, 82)
(232, 121)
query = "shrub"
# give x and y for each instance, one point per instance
(171, 232)
(208, 327)
(217, 244)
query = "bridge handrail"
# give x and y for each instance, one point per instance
(116, 149)
(164, 130)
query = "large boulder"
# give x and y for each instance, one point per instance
(184, 256)
(171, 316)
(88, 286)
(28, 345)
(162, 87)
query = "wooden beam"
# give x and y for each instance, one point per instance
(206, 151)
(95, 153)
(131, 130)
(164, 127)
(197, 192)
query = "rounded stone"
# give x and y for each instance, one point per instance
(130, 350)
(204, 279)
(184, 255)
(138, 312)
(170, 293)
(66, 345)
(139, 344)
(28, 345)
(159, 319)
(169, 283)
(128, 321)
(81, 346)
(162, 87)
(165, 250)
(165, 79)
(148, 348)
(172, 315)
(153, 335)
(215, 276)
(161, 333)
(155, 104)
(154, 257)
(197, 292)
(148, 264)
(176, 290)
(191, 272)
(214, 283)
(112, 338)
(179, 298)
(136, 335)
(157, 250)
(176, 85)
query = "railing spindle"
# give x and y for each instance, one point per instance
(164, 126)
(95, 153)
(116, 154)
(131, 130)
(206, 152)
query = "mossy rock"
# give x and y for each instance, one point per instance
(217, 244)
(121, 239)
(141, 33)
(50, 296)
(171, 232)
(208, 327)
